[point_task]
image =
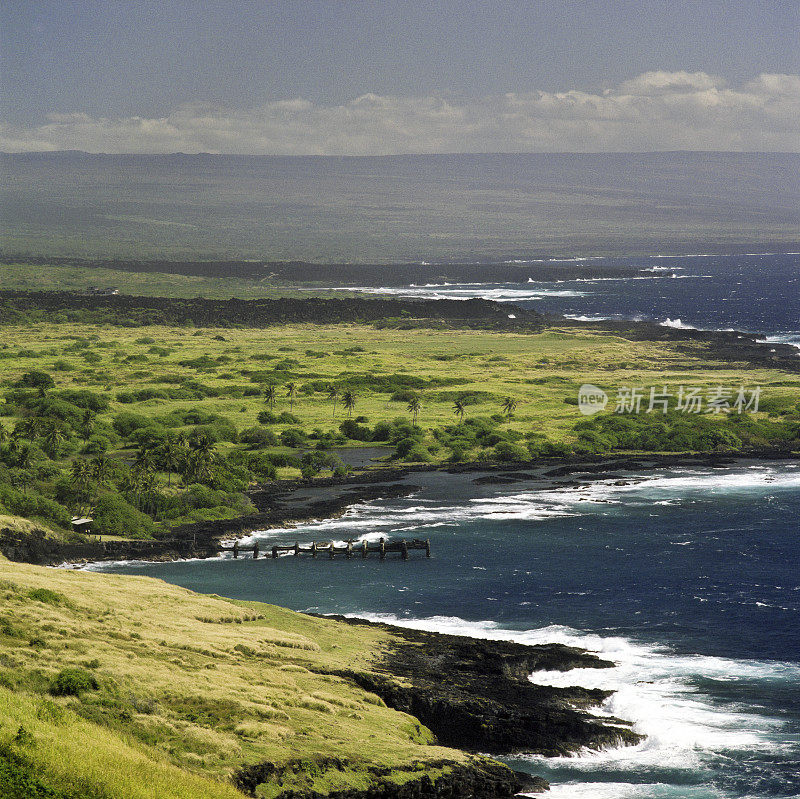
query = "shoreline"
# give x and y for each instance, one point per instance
(292, 503)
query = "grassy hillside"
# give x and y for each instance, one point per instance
(155, 426)
(122, 687)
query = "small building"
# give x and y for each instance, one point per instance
(81, 524)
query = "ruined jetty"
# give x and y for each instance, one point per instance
(349, 549)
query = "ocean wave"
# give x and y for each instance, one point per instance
(654, 688)
(371, 521)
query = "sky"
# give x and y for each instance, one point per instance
(395, 76)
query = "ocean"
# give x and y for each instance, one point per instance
(756, 293)
(686, 578)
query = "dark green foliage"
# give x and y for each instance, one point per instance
(36, 379)
(88, 400)
(258, 437)
(114, 516)
(127, 421)
(73, 682)
(46, 595)
(32, 504)
(355, 431)
(678, 432)
(294, 437)
(506, 451)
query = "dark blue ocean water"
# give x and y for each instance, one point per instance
(758, 293)
(687, 579)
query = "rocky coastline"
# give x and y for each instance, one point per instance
(288, 503)
(476, 696)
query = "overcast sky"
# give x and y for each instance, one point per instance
(384, 76)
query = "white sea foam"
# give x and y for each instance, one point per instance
(653, 688)
(371, 521)
(676, 323)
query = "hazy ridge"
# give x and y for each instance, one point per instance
(398, 208)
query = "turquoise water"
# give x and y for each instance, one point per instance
(687, 579)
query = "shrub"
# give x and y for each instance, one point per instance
(258, 437)
(36, 379)
(114, 516)
(418, 453)
(73, 682)
(46, 595)
(294, 437)
(382, 431)
(88, 400)
(126, 422)
(353, 430)
(506, 451)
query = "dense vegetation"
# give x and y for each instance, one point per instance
(149, 428)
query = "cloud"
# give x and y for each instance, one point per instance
(653, 111)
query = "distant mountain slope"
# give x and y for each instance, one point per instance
(400, 208)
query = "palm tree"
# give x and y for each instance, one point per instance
(459, 410)
(413, 408)
(171, 452)
(24, 456)
(144, 460)
(269, 396)
(52, 440)
(291, 390)
(87, 425)
(28, 428)
(349, 402)
(333, 394)
(101, 469)
(82, 481)
(509, 406)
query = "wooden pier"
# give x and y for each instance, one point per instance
(350, 550)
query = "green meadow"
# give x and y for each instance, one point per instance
(151, 427)
(117, 687)
(41, 277)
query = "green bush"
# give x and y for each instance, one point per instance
(258, 437)
(294, 437)
(354, 431)
(46, 595)
(73, 682)
(126, 422)
(113, 515)
(88, 400)
(36, 379)
(506, 451)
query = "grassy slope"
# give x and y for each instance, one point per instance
(190, 688)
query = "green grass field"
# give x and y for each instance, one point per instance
(38, 277)
(151, 384)
(117, 687)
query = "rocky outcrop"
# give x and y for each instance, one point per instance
(477, 313)
(475, 694)
(481, 779)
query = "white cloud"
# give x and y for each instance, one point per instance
(654, 111)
